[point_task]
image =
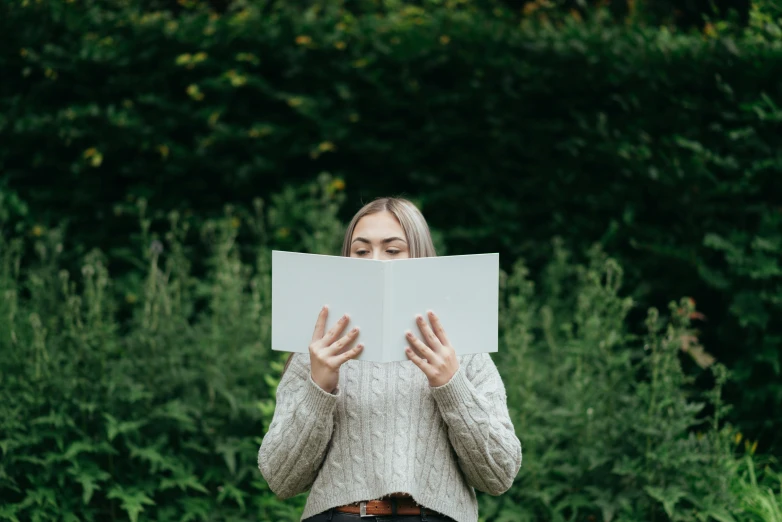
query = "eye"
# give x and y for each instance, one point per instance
(361, 252)
(393, 252)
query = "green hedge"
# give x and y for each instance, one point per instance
(664, 147)
(160, 416)
(157, 416)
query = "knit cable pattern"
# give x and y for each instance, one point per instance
(355, 448)
(386, 430)
(377, 424)
(401, 435)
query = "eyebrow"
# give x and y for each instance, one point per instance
(386, 240)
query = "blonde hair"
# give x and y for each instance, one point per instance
(419, 239)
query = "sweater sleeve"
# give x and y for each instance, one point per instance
(473, 405)
(293, 449)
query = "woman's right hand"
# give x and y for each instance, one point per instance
(326, 355)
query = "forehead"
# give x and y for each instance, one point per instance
(378, 226)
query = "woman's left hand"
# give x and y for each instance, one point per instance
(435, 356)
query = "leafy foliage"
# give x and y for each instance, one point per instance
(660, 145)
(159, 416)
(612, 426)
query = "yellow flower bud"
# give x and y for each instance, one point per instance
(194, 92)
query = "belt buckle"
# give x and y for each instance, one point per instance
(362, 509)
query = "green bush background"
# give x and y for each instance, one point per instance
(160, 417)
(661, 147)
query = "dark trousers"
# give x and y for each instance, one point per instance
(332, 515)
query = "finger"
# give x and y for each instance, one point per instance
(438, 329)
(350, 354)
(418, 361)
(336, 330)
(320, 324)
(421, 348)
(427, 333)
(335, 348)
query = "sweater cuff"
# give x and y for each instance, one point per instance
(455, 393)
(317, 400)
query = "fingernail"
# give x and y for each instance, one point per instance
(419, 317)
(409, 334)
(360, 347)
(345, 316)
(431, 314)
(355, 329)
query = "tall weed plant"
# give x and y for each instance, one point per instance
(158, 417)
(146, 398)
(613, 428)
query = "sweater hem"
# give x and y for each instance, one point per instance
(356, 495)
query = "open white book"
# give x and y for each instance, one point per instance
(383, 298)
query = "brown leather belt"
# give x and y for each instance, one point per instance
(369, 508)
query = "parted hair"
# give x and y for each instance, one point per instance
(417, 235)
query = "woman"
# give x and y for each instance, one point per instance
(413, 439)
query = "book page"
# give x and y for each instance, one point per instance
(462, 290)
(303, 283)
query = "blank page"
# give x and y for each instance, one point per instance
(383, 298)
(303, 283)
(462, 290)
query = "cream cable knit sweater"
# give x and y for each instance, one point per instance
(385, 430)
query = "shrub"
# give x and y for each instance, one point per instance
(612, 427)
(159, 415)
(661, 145)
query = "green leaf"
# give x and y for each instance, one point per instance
(8, 512)
(154, 456)
(196, 508)
(89, 475)
(182, 480)
(232, 492)
(115, 427)
(228, 450)
(668, 497)
(132, 501)
(40, 497)
(79, 447)
(719, 514)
